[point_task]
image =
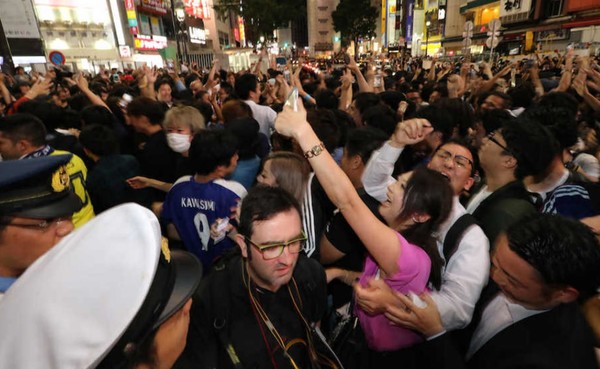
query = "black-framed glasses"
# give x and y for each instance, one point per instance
(490, 137)
(42, 225)
(459, 160)
(274, 250)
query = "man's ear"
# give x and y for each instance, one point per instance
(469, 183)
(23, 145)
(565, 295)
(509, 161)
(356, 161)
(241, 242)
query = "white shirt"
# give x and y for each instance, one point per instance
(264, 115)
(467, 272)
(499, 314)
(478, 199)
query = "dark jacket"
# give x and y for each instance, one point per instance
(505, 206)
(557, 339)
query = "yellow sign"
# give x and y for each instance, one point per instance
(383, 16)
(528, 41)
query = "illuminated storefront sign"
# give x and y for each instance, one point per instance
(153, 6)
(242, 29)
(197, 8)
(131, 17)
(142, 42)
(197, 35)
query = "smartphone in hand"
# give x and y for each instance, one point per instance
(292, 99)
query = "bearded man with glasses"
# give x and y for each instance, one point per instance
(255, 309)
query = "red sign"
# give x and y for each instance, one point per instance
(197, 8)
(153, 6)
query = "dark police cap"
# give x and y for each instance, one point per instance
(37, 188)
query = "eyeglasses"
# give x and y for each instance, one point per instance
(274, 250)
(490, 137)
(459, 160)
(42, 225)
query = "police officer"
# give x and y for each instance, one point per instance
(111, 295)
(36, 205)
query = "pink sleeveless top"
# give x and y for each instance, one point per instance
(414, 267)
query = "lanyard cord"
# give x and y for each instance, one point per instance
(259, 312)
(311, 345)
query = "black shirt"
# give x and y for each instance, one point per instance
(228, 300)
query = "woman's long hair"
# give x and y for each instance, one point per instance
(427, 192)
(291, 172)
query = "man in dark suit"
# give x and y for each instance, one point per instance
(528, 316)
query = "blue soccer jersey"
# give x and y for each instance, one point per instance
(193, 207)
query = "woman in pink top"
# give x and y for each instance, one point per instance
(413, 212)
(415, 208)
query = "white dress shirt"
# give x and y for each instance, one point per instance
(497, 315)
(264, 115)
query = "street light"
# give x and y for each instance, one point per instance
(427, 24)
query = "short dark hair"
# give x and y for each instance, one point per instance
(439, 118)
(326, 126)
(235, 108)
(244, 85)
(493, 119)
(507, 99)
(24, 127)
(363, 141)
(263, 203)
(557, 112)
(163, 81)
(365, 100)
(99, 139)
(96, 114)
(147, 107)
(211, 149)
(380, 116)
(227, 88)
(327, 99)
(532, 144)
(564, 251)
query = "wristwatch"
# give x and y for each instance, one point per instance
(315, 151)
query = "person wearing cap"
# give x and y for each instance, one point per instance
(254, 308)
(124, 307)
(23, 136)
(36, 205)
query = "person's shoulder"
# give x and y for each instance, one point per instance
(76, 163)
(222, 275)
(308, 270)
(180, 180)
(233, 186)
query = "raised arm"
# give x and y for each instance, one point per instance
(346, 97)
(378, 172)
(83, 85)
(363, 85)
(381, 241)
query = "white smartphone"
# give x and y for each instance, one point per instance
(292, 99)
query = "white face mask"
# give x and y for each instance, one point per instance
(178, 142)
